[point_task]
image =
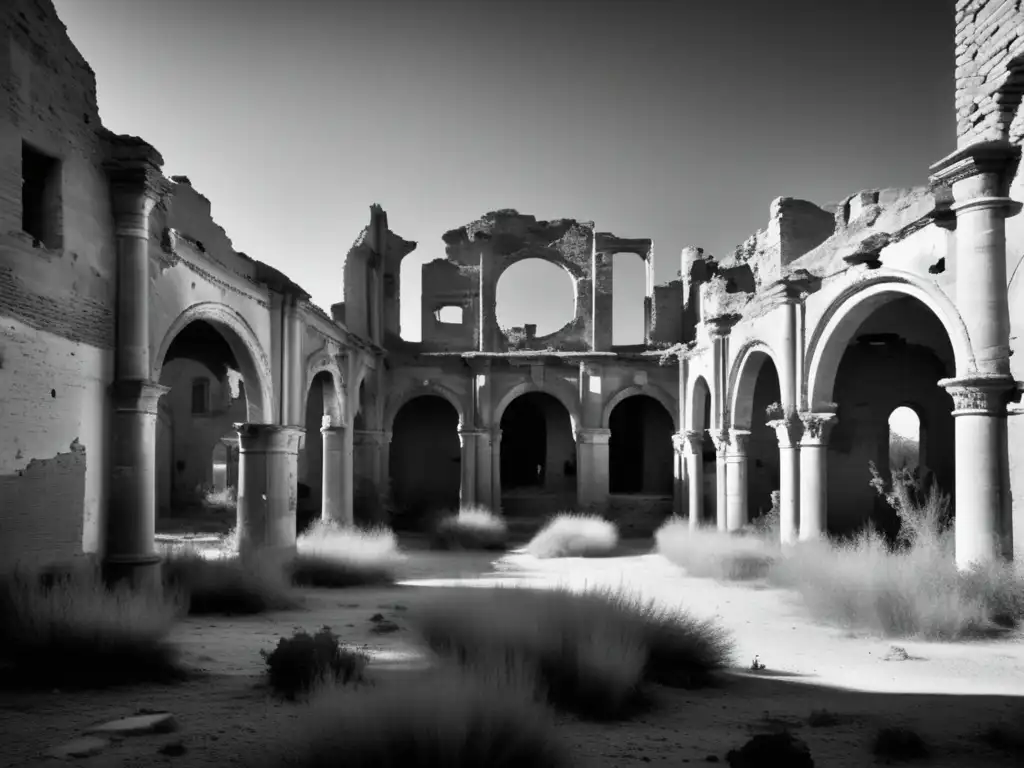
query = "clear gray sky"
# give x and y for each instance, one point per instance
(672, 119)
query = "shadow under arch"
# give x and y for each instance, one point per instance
(407, 395)
(852, 307)
(655, 393)
(529, 386)
(244, 345)
(743, 380)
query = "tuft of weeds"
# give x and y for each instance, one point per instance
(822, 718)
(330, 555)
(450, 717)
(909, 588)
(895, 743)
(229, 585)
(471, 528)
(570, 534)
(709, 553)
(75, 632)
(303, 663)
(591, 650)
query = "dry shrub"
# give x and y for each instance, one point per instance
(75, 632)
(331, 555)
(450, 718)
(591, 651)
(471, 528)
(304, 663)
(570, 534)
(230, 584)
(707, 552)
(912, 588)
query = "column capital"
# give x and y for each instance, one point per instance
(980, 176)
(268, 438)
(594, 436)
(739, 439)
(788, 430)
(980, 395)
(137, 395)
(689, 441)
(720, 437)
(136, 183)
(817, 427)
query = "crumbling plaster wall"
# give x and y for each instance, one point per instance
(55, 305)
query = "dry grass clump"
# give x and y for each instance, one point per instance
(230, 584)
(570, 534)
(707, 552)
(450, 718)
(304, 663)
(908, 589)
(590, 651)
(471, 528)
(74, 632)
(330, 555)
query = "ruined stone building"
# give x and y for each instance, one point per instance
(141, 356)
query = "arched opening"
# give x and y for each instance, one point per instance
(640, 451)
(538, 455)
(700, 421)
(319, 403)
(629, 290)
(896, 350)
(757, 399)
(425, 456)
(207, 397)
(535, 296)
(904, 439)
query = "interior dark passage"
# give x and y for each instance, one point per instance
(426, 456)
(640, 448)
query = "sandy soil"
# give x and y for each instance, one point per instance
(949, 693)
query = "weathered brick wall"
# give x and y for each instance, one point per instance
(989, 70)
(56, 304)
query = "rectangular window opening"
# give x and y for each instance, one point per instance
(41, 205)
(200, 397)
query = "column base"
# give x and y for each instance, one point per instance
(142, 573)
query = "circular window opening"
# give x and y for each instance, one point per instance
(535, 292)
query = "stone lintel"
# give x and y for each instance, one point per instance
(981, 395)
(268, 438)
(137, 395)
(606, 242)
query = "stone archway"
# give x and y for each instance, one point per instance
(425, 457)
(886, 345)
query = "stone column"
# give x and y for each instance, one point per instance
(814, 474)
(980, 176)
(721, 440)
(679, 475)
(787, 431)
(335, 492)
(695, 476)
(983, 522)
(130, 548)
(483, 467)
(496, 470)
(467, 487)
(267, 488)
(737, 514)
(592, 469)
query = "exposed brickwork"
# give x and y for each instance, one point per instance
(989, 70)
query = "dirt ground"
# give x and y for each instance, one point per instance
(949, 693)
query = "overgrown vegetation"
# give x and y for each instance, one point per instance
(74, 631)
(225, 500)
(230, 584)
(330, 555)
(910, 587)
(570, 534)
(304, 663)
(590, 651)
(709, 553)
(473, 527)
(452, 718)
